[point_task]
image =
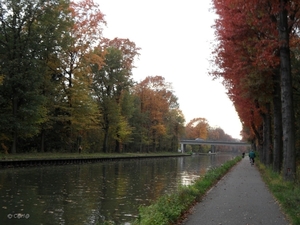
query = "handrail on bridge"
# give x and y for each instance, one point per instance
(211, 142)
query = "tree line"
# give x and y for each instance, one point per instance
(63, 86)
(257, 56)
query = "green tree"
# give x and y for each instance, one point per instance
(110, 83)
(175, 129)
(139, 133)
(28, 35)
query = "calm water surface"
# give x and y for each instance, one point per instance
(92, 193)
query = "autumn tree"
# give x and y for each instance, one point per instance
(75, 107)
(105, 84)
(197, 128)
(175, 129)
(249, 30)
(111, 84)
(248, 75)
(156, 102)
(217, 134)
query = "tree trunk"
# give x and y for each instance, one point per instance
(14, 143)
(42, 140)
(267, 151)
(118, 146)
(289, 162)
(105, 140)
(263, 157)
(259, 139)
(14, 129)
(106, 128)
(277, 124)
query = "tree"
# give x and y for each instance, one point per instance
(248, 75)
(288, 119)
(111, 83)
(252, 35)
(175, 129)
(28, 35)
(156, 101)
(296, 89)
(75, 104)
(197, 128)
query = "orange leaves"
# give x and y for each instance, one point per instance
(247, 56)
(159, 129)
(88, 22)
(156, 99)
(197, 128)
(127, 47)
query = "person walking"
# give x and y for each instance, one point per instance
(252, 156)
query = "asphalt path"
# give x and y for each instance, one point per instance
(239, 198)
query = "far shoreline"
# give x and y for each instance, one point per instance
(47, 159)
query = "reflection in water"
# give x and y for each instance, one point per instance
(187, 179)
(93, 193)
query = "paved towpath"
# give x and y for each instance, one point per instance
(239, 198)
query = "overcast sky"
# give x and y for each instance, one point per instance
(176, 41)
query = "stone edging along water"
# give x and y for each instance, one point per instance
(14, 163)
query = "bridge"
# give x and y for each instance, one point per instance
(183, 143)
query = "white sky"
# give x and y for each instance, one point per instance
(176, 40)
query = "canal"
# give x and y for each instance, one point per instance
(93, 193)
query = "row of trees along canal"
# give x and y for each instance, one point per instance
(63, 85)
(258, 59)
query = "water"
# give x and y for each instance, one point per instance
(93, 193)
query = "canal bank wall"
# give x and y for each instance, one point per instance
(17, 163)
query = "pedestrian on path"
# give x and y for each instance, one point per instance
(252, 156)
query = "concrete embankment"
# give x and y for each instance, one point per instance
(31, 162)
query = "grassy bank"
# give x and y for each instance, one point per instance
(286, 193)
(169, 208)
(41, 156)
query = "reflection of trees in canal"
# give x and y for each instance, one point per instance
(83, 194)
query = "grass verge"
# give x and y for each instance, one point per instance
(169, 208)
(286, 193)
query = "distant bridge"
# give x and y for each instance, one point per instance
(210, 142)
